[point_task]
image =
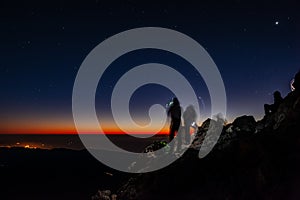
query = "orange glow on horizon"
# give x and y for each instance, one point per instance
(59, 125)
(71, 131)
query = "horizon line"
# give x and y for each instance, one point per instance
(75, 133)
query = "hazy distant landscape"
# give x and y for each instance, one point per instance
(72, 141)
(58, 166)
(35, 174)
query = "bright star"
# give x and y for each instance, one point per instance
(277, 22)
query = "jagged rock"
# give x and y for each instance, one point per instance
(114, 197)
(104, 195)
(155, 146)
(244, 124)
(286, 115)
(205, 124)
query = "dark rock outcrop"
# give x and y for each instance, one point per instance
(246, 124)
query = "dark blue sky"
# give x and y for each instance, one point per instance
(255, 45)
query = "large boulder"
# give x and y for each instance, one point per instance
(287, 115)
(244, 124)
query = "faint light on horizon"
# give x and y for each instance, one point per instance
(29, 147)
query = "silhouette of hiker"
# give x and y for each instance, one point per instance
(271, 108)
(189, 116)
(174, 111)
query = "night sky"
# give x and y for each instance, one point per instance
(256, 47)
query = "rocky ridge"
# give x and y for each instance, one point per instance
(251, 160)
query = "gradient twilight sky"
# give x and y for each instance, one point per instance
(256, 47)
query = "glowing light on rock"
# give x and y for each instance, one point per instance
(292, 87)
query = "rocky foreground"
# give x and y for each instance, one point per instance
(251, 160)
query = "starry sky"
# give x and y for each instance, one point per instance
(255, 45)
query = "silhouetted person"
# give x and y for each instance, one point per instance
(271, 108)
(189, 116)
(174, 111)
(296, 83)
